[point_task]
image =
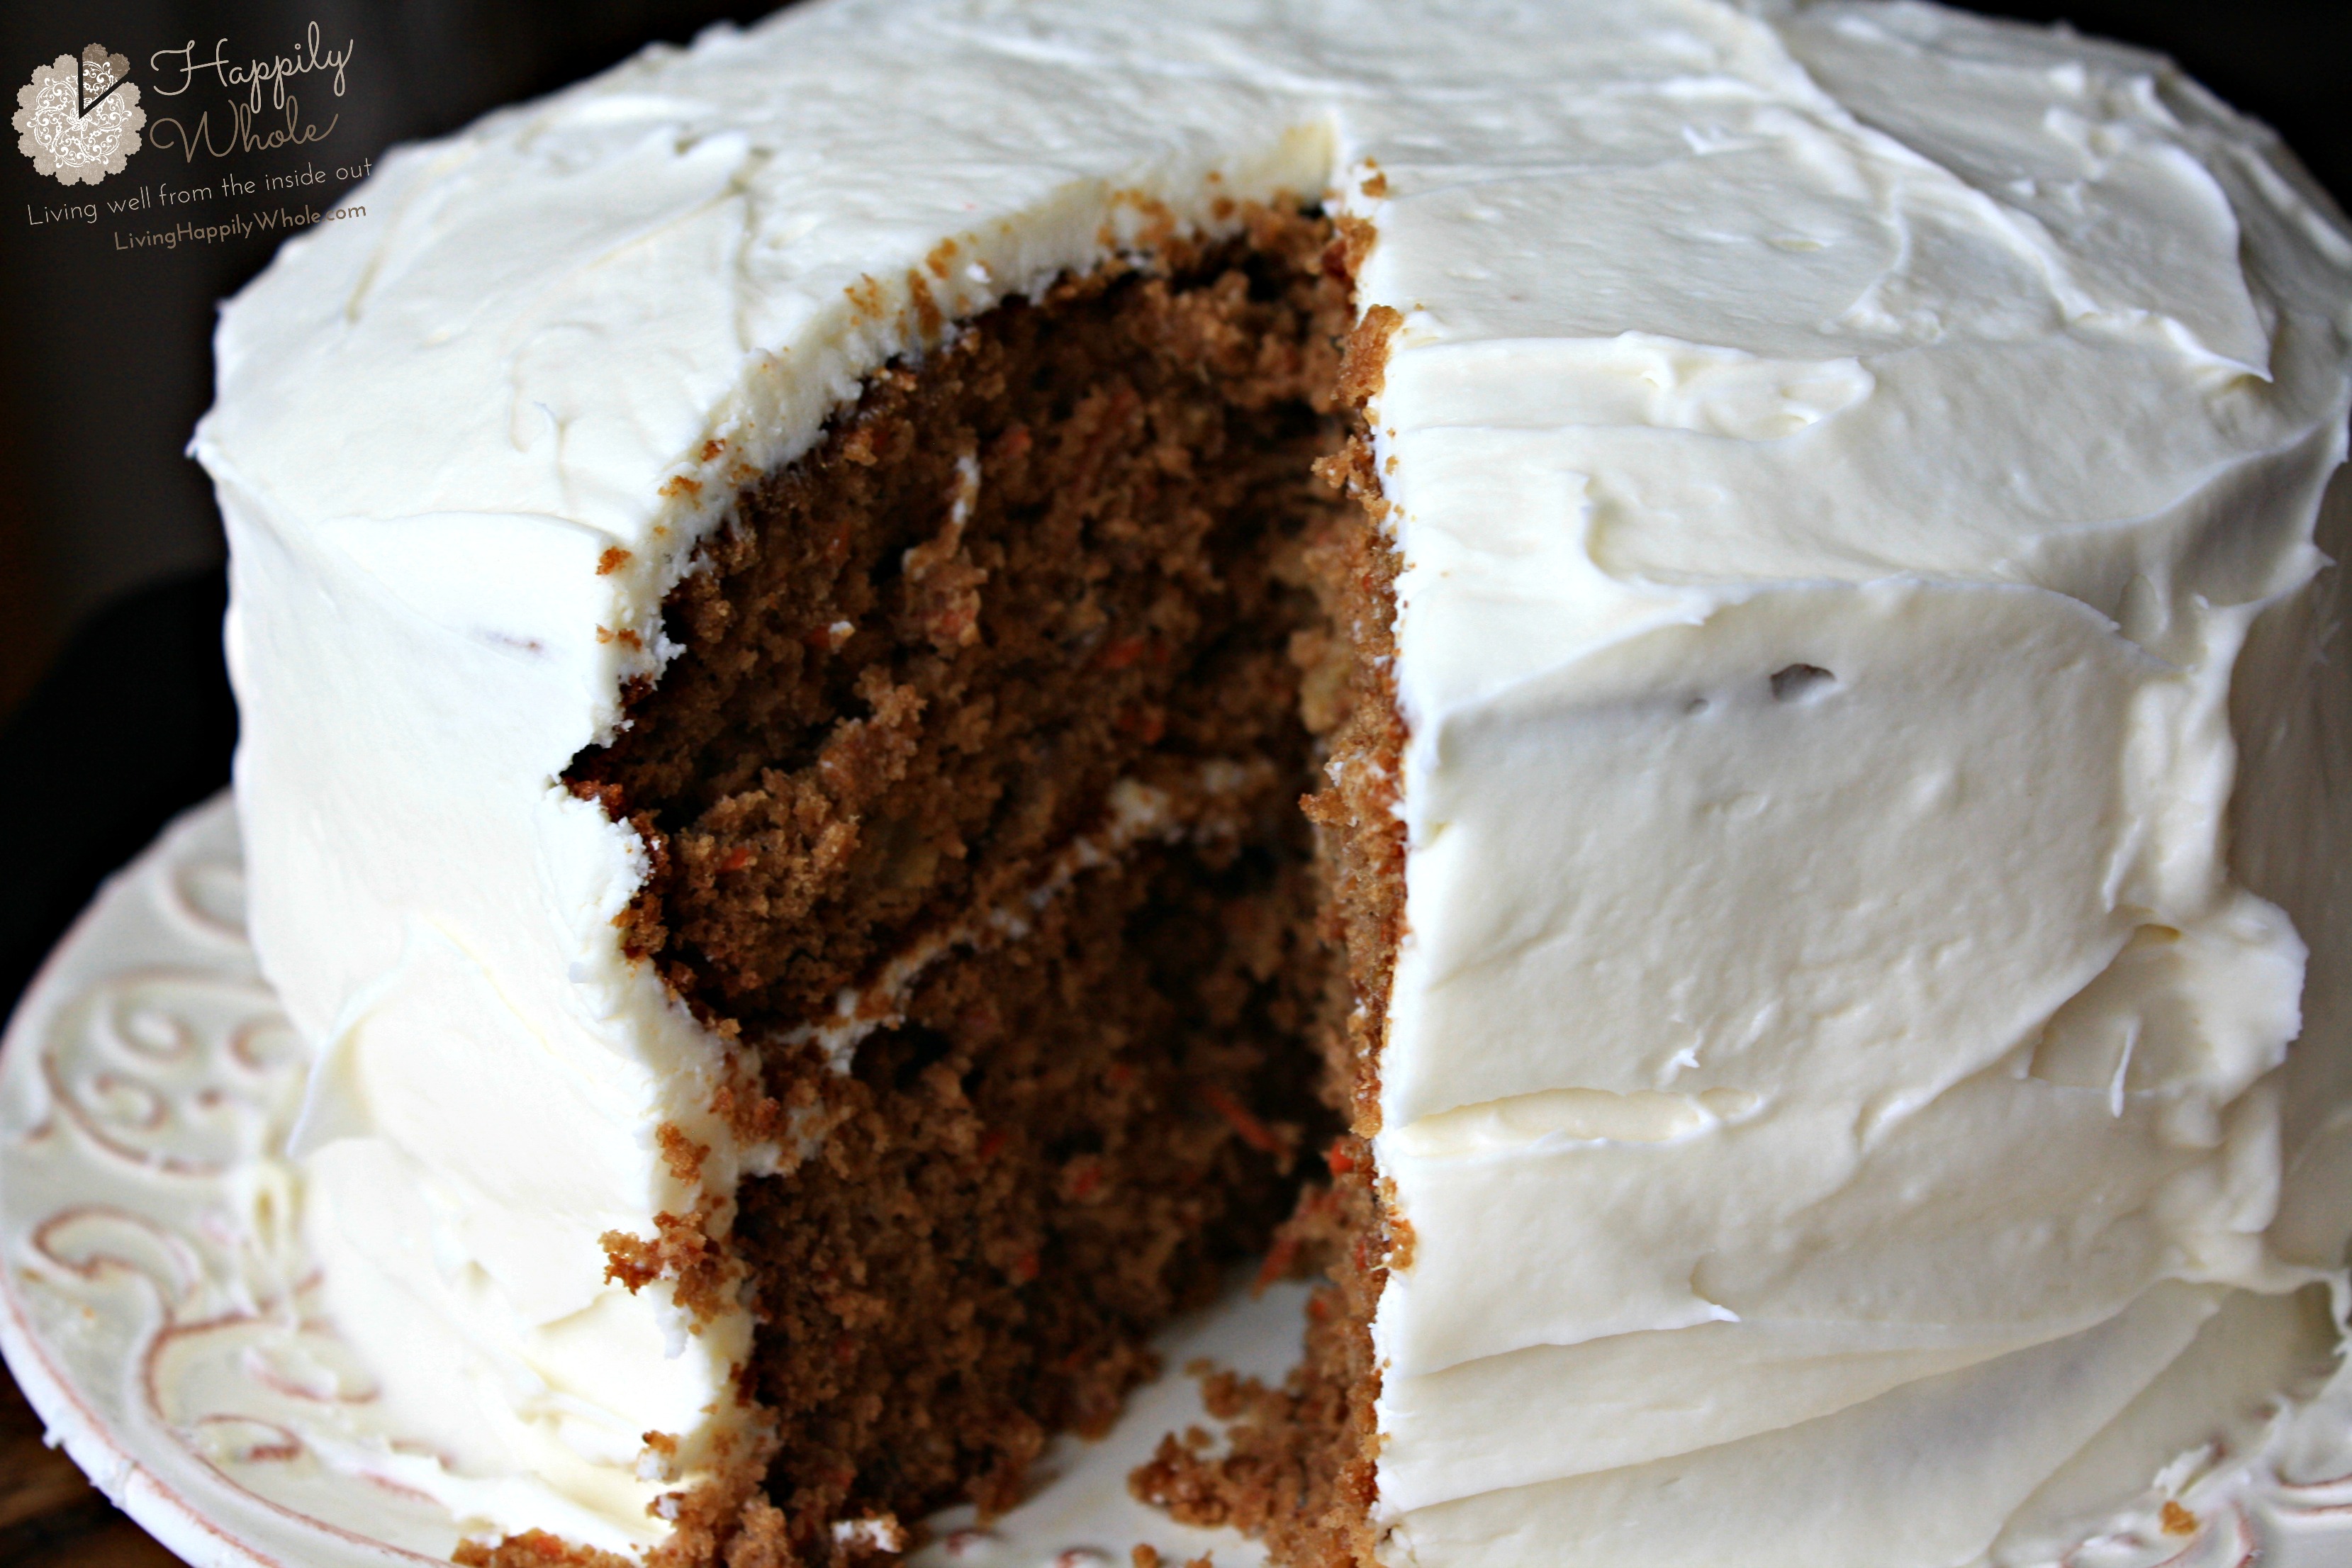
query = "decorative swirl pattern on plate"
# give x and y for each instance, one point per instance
(158, 1308)
(182, 1071)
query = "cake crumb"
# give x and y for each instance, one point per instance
(681, 1153)
(1401, 1233)
(866, 298)
(657, 1461)
(684, 1250)
(928, 316)
(1365, 370)
(533, 1549)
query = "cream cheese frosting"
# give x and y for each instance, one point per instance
(1873, 987)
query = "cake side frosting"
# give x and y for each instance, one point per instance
(1837, 453)
(1866, 1022)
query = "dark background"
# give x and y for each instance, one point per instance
(114, 712)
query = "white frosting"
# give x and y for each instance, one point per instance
(1839, 454)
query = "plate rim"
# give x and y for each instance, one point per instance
(67, 1421)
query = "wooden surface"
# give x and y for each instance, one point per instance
(49, 1515)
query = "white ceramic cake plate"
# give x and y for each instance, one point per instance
(157, 1312)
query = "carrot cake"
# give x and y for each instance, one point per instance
(1656, 684)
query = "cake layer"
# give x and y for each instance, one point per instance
(1068, 548)
(1063, 1138)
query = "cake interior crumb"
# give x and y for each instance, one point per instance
(1106, 571)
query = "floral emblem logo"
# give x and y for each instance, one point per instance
(79, 119)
